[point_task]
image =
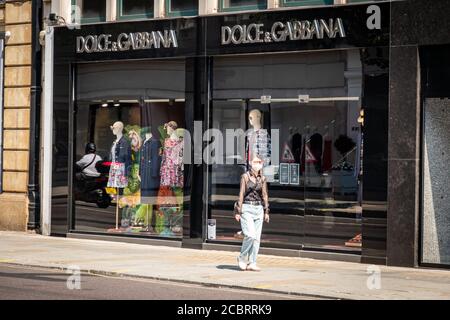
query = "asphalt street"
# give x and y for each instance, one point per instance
(26, 283)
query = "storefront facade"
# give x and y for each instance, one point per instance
(167, 103)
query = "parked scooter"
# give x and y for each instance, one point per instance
(93, 189)
(89, 187)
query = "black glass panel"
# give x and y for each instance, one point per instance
(93, 9)
(243, 3)
(310, 111)
(137, 7)
(183, 5)
(129, 150)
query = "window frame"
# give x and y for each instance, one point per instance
(121, 17)
(298, 3)
(88, 20)
(178, 13)
(241, 8)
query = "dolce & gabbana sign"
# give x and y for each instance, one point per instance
(280, 32)
(127, 41)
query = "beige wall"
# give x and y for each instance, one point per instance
(16, 117)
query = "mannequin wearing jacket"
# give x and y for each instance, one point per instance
(120, 157)
(149, 166)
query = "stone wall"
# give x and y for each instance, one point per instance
(16, 117)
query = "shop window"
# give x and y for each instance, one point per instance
(306, 130)
(181, 7)
(129, 151)
(288, 3)
(90, 10)
(134, 9)
(235, 5)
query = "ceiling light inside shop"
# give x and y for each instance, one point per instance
(128, 101)
(156, 100)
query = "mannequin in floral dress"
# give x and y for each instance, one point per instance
(172, 179)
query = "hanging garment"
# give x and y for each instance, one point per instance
(258, 143)
(166, 197)
(297, 147)
(149, 167)
(316, 147)
(172, 163)
(327, 155)
(117, 176)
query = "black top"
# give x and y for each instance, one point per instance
(253, 188)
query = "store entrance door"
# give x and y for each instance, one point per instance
(320, 151)
(313, 175)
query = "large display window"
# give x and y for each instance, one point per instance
(300, 112)
(129, 148)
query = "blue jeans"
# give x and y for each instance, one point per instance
(252, 218)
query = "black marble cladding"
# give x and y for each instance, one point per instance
(417, 26)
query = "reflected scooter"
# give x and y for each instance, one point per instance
(93, 189)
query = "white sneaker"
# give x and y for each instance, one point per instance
(253, 267)
(242, 265)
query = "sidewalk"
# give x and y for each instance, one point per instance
(327, 279)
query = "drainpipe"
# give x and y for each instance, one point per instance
(35, 104)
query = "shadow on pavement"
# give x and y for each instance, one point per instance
(229, 267)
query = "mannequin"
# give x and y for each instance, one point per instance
(149, 166)
(258, 139)
(172, 179)
(172, 158)
(120, 157)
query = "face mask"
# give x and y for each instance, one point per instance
(257, 167)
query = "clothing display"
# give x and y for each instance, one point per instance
(327, 155)
(258, 143)
(316, 148)
(172, 163)
(120, 163)
(166, 197)
(117, 175)
(149, 167)
(296, 146)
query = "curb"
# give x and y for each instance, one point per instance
(204, 284)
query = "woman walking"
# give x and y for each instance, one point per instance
(251, 210)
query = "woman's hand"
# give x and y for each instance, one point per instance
(266, 217)
(237, 217)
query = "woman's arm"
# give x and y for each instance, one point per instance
(241, 194)
(265, 194)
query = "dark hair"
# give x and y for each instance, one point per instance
(90, 148)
